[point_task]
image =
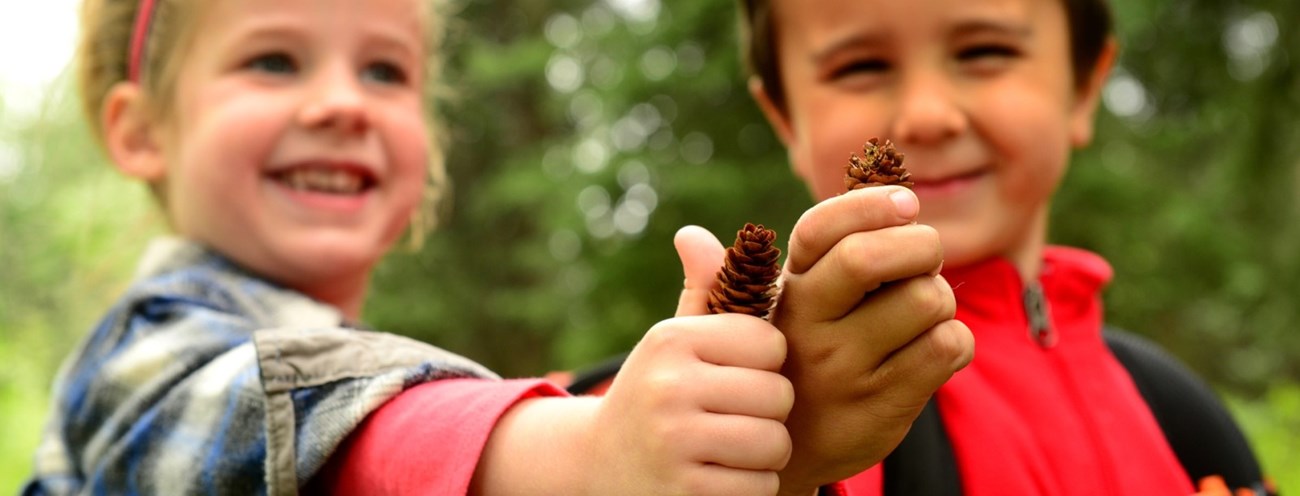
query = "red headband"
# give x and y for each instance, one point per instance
(143, 19)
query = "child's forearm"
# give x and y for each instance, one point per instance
(540, 446)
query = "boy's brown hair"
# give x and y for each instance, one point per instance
(1089, 20)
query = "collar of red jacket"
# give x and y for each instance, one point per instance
(1055, 416)
(993, 290)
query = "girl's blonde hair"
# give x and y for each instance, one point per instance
(103, 60)
(103, 52)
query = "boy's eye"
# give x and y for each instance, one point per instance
(987, 52)
(864, 67)
(274, 63)
(384, 72)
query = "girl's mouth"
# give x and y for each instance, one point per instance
(341, 181)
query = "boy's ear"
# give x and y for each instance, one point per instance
(131, 133)
(776, 116)
(1085, 106)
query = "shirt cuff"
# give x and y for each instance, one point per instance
(426, 440)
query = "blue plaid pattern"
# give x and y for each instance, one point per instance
(204, 378)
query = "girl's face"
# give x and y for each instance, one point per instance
(978, 94)
(298, 144)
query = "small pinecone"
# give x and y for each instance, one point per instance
(880, 165)
(748, 279)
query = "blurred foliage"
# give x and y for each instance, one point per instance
(573, 164)
(1195, 195)
(70, 232)
(614, 123)
(585, 132)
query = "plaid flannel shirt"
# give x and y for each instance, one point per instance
(204, 378)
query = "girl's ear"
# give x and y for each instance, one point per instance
(131, 134)
(1085, 105)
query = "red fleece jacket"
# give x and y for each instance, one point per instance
(1062, 418)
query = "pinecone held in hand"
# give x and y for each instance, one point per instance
(880, 165)
(749, 276)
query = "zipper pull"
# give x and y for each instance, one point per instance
(1040, 317)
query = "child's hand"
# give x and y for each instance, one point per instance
(698, 406)
(870, 331)
(698, 409)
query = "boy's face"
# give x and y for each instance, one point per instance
(978, 94)
(298, 144)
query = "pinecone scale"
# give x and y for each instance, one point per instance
(748, 278)
(880, 165)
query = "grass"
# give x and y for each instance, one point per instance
(24, 401)
(1272, 423)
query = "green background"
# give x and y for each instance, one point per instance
(583, 134)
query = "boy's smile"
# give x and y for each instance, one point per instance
(298, 147)
(979, 94)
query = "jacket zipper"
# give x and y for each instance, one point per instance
(1041, 331)
(1040, 317)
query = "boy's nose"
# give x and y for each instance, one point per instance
(336, 102)
(928, 111)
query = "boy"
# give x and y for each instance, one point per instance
(987, 98)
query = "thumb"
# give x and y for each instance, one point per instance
(702, 255)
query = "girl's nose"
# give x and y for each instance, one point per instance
(929, 110)
(336, 103)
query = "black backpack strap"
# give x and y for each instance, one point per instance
(924, 462)
(1197, 425)
(585, 380)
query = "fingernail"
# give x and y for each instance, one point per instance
(905, 203)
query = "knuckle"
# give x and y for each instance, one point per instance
(928, 231)
(949, 299)
(928, 298)
(783, 446)
(856, 254)
(804, 235)
(667, 385)
(694, 483)
(666, 334)
(775, 345)
(662, 434)
(953, 343)
(758, 337)
(784, 393)
(927, 239)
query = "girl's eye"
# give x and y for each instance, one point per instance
(384, 72)
(987, 52)
(866, 67)
(274, 63)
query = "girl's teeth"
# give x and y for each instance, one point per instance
(324, 181)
